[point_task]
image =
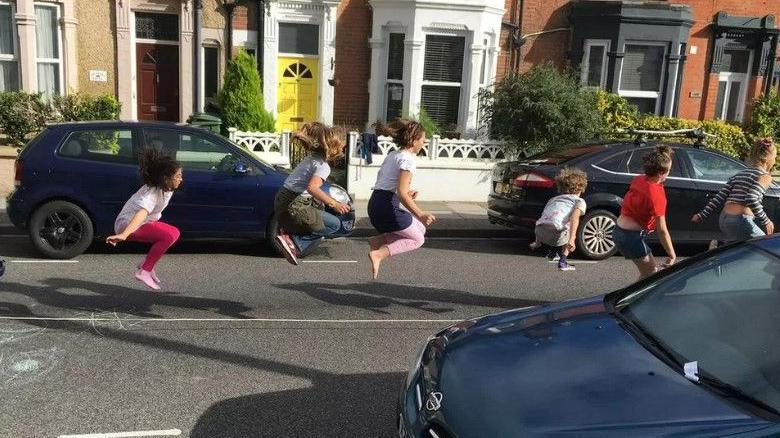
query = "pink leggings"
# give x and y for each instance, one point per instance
(161, 235)
(411, 237)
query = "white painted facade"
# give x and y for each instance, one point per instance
(318, 12)
(478, 21)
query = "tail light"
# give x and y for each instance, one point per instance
(18, 173)
(532, 179)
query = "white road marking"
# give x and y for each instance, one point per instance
(139, 433)
(320, 321)
(576, 262)
(43, 261)
(328, 261)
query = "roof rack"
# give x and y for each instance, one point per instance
(694, 133)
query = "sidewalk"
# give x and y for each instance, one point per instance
(453, 219)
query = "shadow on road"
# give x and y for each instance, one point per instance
(60, 293)
(376, 297)
(332, 405)
(351, 405)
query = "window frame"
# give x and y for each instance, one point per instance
(730, 78)
(458, 85)
(14, 57)
(691, 170)
(585, 65)
(58, 61)
(317, 26)
(657, 95)
(236, 151)
(204, 48)
(393, 82)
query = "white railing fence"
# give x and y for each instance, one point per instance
(439, 148)
(273, 147)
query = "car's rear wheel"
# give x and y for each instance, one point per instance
(594, 235)
(61, 230)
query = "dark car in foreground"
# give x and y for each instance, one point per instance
(520, 190)
(690, 351)
(72, 180)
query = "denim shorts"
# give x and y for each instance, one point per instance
(738, 227)
(631, 243)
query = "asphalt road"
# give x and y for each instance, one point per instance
(239, 343)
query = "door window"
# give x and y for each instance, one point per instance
(733, 85)
(636, 164)
(107, 145)
(194, 152)
(615, 163)
(712, 167)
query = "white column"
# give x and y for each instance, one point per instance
(270, 58)
(69, 49)
(25, 29)
(124, 60)
(376, 83)
(327, 61)
(415, 59)
(470, 88)
(186, 66)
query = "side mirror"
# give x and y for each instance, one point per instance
(240, 168)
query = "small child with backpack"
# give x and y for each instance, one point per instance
(557, 227)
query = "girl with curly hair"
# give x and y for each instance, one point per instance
(139, 219)
(303, 224)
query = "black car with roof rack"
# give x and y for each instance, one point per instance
(520, 189)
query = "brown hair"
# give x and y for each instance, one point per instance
(762, 151)
(659, 161)
(403, 131)
(571, 181)
(320, 139)
(157, 168)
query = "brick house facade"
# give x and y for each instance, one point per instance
(352, 62)
(715, 36)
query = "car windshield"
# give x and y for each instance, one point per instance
(720, 313)
(560, 156)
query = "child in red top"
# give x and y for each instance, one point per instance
(644, 211)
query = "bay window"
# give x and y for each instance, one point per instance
(641, 76)
(442, 78)
(9, 60)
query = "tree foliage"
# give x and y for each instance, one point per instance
(241, 98)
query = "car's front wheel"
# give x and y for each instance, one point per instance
(594, 235)
(61, 230)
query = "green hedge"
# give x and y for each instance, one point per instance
(729, 139)
(23, 114)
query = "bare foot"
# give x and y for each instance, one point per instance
(376, 242)
(376, 258)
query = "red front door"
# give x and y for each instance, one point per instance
(158, 82)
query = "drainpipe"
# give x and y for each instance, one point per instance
(198, 61)
(260, 40)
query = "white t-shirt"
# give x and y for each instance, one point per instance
(394, 163)
(299, 179)
(151, 199)
(558, 211)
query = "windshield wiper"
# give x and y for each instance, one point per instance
(649, 341)
(728, 390)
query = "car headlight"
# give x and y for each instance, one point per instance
(339, 194)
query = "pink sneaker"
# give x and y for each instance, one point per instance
(146, 278)
(288, 248)
(153, 273)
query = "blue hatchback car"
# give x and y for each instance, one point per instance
(691, 351)
(73, 179)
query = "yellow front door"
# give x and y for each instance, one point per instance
(297, 93)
